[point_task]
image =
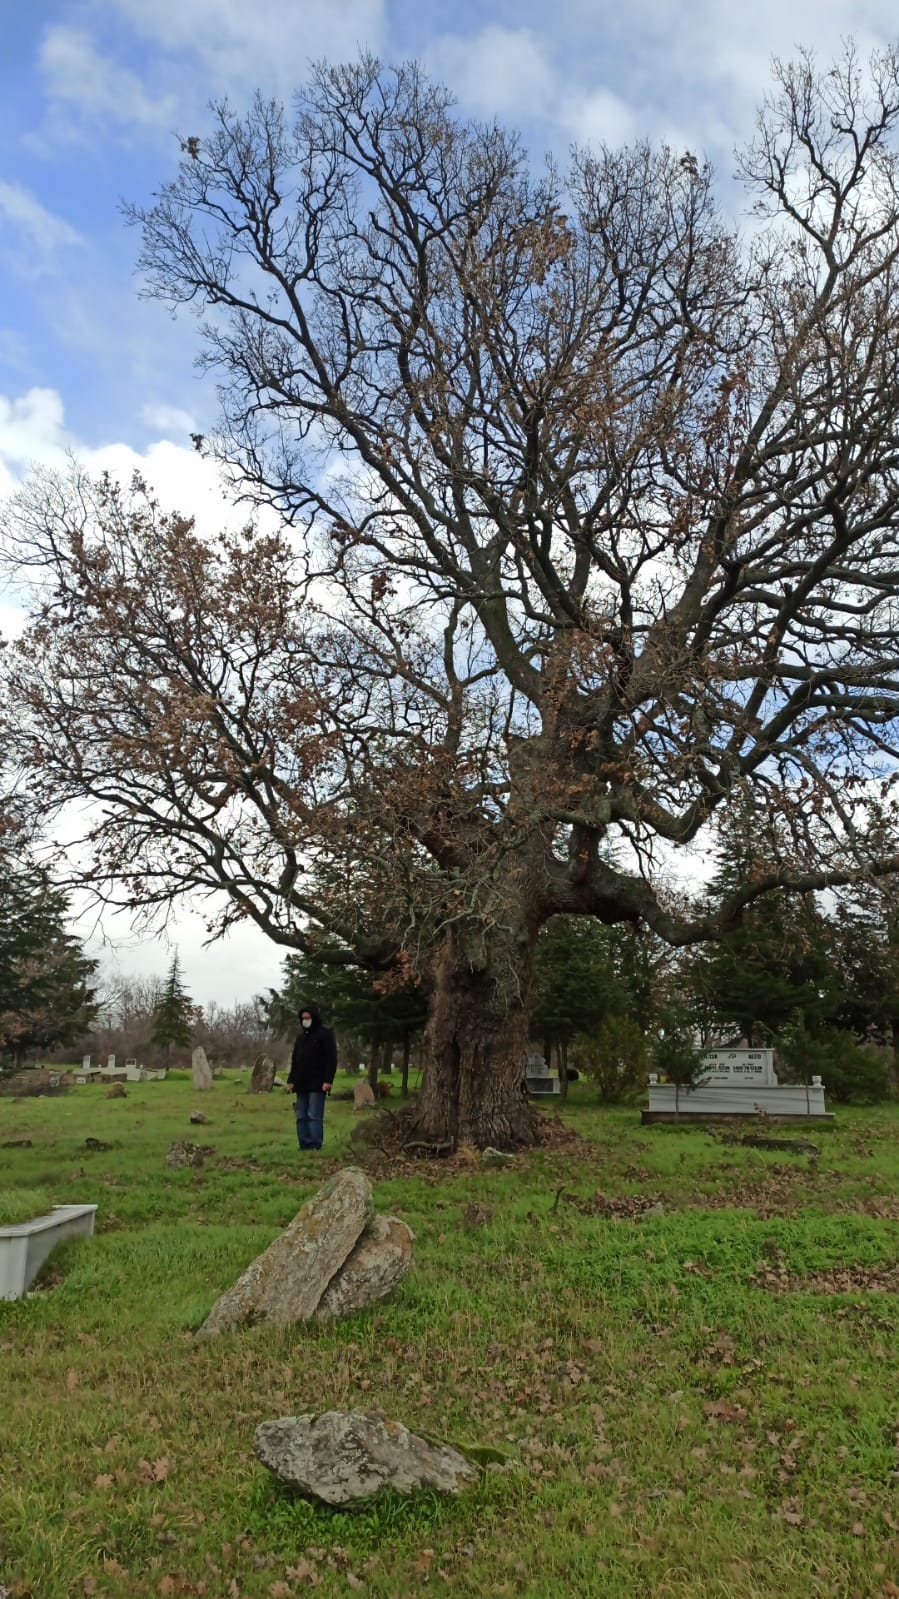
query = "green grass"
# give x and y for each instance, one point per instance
(680, 1428)
(23, 1204)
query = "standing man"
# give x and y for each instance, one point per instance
(312, 1067)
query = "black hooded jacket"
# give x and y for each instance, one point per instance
(314, 1059)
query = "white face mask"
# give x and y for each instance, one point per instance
(306, 1021)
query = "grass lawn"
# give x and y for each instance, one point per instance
(702, 1402)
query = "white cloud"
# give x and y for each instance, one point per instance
(79, 78)
(33, 432)
(168, 419)
(235, 968)
(266, 44)
(32, 429)
(503, 72)
(601, 117)
(29, 232)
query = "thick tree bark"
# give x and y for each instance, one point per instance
(476, 1046)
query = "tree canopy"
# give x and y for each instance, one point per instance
(174, 1011)
(47, 993)
(589, 510)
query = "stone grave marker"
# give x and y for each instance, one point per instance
(263, 1078)
(201, 1069)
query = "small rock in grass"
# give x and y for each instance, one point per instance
(346, 1457)
(198, 1119)
(117, 1091)
(184, 1154)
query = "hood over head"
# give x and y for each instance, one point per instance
(314, 1012)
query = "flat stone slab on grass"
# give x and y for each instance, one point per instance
(286, 1283)
(346, 1457)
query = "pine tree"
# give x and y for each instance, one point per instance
(47, 995)
(173, 1016)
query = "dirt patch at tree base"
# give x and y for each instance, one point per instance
(387, 1141)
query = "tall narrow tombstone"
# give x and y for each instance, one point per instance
(263, 1078)
(201, 1069)
(110, 1063)
(85, 1063)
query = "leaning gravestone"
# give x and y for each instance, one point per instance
(201, 1069)
(301, 1275)
(347, 1456)
(363, 1095)
(263, 1078)
(379, 1260)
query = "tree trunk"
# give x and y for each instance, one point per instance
(407, 1048)
(562, 1050)
(373, 1066)
(476, 1045)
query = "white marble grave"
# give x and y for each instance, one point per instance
(539, 1078)
(737, 1082)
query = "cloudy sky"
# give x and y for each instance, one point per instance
(93, 96)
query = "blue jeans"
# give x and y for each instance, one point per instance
(309, 1110)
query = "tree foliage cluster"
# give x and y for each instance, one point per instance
(48, 994)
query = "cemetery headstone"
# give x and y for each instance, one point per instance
(335, 1258)
(263, 1078)
(85, 1063)
(363, 1095)
(201, 1069)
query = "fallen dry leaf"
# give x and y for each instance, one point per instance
(304, 1571)
(104, 1480)
(723, 1410)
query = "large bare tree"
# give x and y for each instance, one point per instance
(589, 511)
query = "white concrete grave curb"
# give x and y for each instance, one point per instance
(25, 1247)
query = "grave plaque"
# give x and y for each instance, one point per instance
(85, 1063)
(738, 1068)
